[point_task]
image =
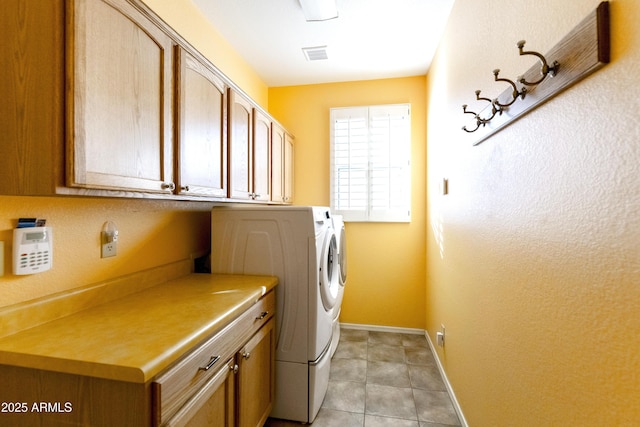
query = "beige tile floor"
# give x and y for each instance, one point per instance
(383, 379)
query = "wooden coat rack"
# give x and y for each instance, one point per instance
(581, 52)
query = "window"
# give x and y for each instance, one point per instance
(370, 163)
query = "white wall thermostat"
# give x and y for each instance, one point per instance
(32, 250)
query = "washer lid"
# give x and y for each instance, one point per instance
(329, 271)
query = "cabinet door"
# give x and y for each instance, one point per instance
(32, 91)
(213, 405)
(256, 362)
(240, 149)
(281, 165)
(288, 168)
(120, 99)
(261, 157)
(202, 133)
(277, 166)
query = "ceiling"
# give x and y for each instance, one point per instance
(370, 39)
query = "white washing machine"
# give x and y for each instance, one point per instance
(341, 242)
(298, 245)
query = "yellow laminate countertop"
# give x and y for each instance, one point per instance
(134, 338)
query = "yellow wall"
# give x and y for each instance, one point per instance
(152, 233)
(386, 282)
(184, 17)
(534, 256)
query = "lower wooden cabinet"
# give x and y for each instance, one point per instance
(240, 393)
(214, 404)
(226, 381)
(256, 378)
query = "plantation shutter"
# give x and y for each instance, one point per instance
(370, 163)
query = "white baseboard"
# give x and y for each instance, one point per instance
(376, 328)
(447, 384)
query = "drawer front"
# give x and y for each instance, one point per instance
(173, 388)
(213, 404)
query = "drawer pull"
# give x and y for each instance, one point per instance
(212, 362)
(262, 315)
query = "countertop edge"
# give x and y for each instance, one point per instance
(154, 365)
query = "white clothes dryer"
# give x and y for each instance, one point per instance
(298, 245)
(341, 242)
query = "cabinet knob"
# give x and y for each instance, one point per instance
(184, 188)
(234, 368)
(262, 315)
(246, 354)
(168, 186)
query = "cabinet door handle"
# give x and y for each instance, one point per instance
(168, 186)
(212, 362)
(234, 368)
(246, 354)
(262, 315)
(184, 188)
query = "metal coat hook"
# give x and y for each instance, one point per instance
(585, 49)
(494, 110)
(475, 115)
(515, 94)
(545, 70)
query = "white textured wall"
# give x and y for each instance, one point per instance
(534, 256)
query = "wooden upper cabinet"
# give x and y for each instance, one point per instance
(120, 110)
(32, 90)
(202, 128)
(102, 98)
(288, 168)
(261, 157)
(249, 150)
(277, 147)
(281, 165)
(240, 146)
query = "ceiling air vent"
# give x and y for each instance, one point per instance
(318, 53)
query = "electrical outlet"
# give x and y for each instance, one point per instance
(440, 336)
(109, 247)
(109, 240)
